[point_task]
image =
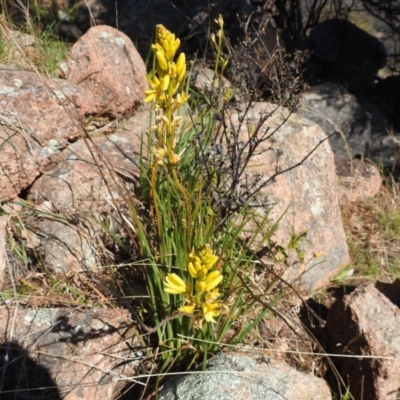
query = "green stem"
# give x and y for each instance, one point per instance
(183, 192)
(154, 196)
(216, 63)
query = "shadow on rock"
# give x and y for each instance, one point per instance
(22, 378)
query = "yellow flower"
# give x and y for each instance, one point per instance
(173, 284)
(180, 99)
(159, 154)
(212, 295)
(156, 92)
(207, 257)
(213, 279)
(189, 309)
(201, 262)
(173, 158)
(211, 310)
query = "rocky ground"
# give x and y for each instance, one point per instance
(70, 154)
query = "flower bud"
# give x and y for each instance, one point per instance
(202, 273)
(165, 45)
(173, 158)
(173, 47)
(165, 83)
(192, 270)
(172, 69)
(181, 67)
(162, 61)
(173, 87)
(213, 39)
(161, 33)
(220, 21)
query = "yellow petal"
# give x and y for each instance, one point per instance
(192, 270)
(213, 280)
(202, 273)
(200, 286)
(173, 47)
(162, 61)
(150, 97)
(211, 310)
(213, 295)
(165, 83)
(189, 309)
(173, 284)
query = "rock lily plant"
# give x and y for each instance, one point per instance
(192, 265)
(199, 291)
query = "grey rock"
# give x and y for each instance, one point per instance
(362, 129)
(333, 108)
(246, 376)
(67, 245)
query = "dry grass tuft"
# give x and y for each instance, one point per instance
(373, 232)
